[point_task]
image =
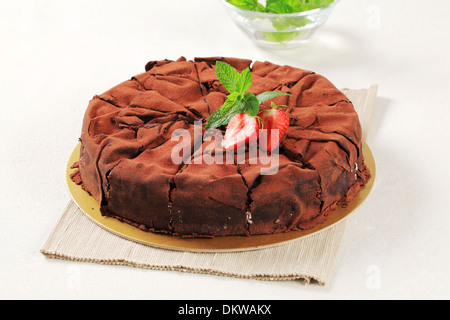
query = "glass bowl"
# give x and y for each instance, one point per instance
(276, 30)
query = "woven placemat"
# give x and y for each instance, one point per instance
(77, 238)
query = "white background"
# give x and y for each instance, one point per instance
(55, 55)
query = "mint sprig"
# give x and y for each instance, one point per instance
(281, 24)
(239, 100)
(252, 5)
(280, 6)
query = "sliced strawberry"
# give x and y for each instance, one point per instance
(272, 119)
(241, 129)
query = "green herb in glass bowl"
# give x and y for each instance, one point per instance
(280, 6)
(279, 23)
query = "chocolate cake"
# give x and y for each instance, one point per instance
(126, 146)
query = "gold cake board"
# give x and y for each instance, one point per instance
(91, 208)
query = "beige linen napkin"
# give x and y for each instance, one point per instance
(77, 238)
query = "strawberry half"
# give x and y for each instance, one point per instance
(273, 119)
(241, 129)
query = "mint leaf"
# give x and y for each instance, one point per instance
(251, 5)
(244, 81)
(216, 119)
(220, 118)
(281, 36)
(296, 5)
(227, 75)
(231, 79)
(314, 4)
(278, 6)
(262, 97)
(260, 8)
(229, 103)
(250, 104)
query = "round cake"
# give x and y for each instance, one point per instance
(127, 144)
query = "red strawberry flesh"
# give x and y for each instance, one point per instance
(275, 122)
(241, 129)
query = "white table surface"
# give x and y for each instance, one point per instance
(55, 56)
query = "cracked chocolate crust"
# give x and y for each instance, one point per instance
(125, 159)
